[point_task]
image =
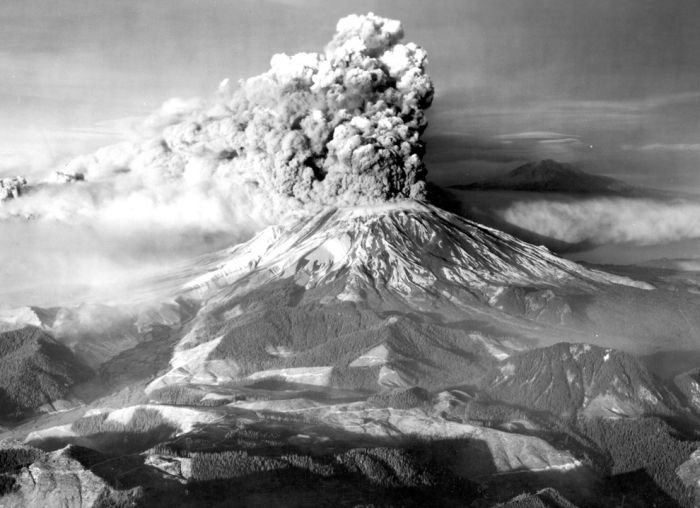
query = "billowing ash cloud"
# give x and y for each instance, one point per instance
(341, 127)
(609, 220)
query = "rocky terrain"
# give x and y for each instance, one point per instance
(31, 477)
(390, 352)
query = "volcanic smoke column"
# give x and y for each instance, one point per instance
(341, 127)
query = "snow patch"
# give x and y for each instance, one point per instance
(183, 418)
(578, 350)
(332, 251)
(610, 406)
(695, 394)
(350, 295)
(317, 376)
(233, 313)
(508, 369)
(279, 351)
(280, 406)
(60, 431)
(390, 378)
(492, 346)
(646, 395)
(373, 357)
(495, 294)
(192, 366)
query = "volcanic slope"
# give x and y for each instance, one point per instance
(405, 293)
(567, 380)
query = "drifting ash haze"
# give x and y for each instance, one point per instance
(369, 349)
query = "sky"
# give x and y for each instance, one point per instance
(611, 86)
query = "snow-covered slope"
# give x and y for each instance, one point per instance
(407, 247)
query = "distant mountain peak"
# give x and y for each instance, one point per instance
(546, 168)
(551, 176)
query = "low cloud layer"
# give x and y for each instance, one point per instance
(609, 220)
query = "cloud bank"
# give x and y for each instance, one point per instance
(341, 127)
(609, 220)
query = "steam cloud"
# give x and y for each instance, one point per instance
(606, 220)
(341, 127)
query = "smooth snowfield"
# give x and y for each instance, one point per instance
(317, 376)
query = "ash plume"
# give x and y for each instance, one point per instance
(341, 127)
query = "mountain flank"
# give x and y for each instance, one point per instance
(35, 371)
